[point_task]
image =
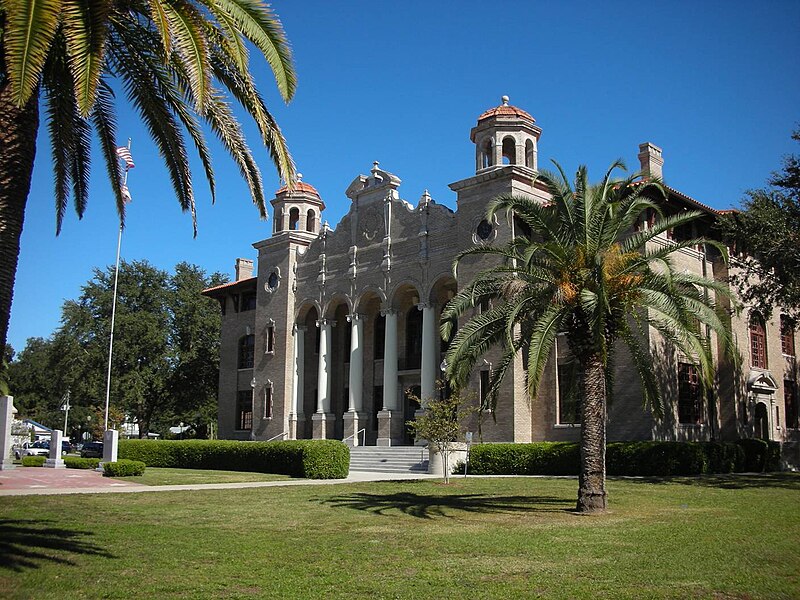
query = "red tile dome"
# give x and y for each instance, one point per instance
(299, 186)
(506, 110)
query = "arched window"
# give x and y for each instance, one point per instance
(413, 338)
(294, 219)
(247, 348)
(278, 220)
(758, 341)
(311, 221)
(509, 151)
(529, 154)
(486, 154)
(380, 336)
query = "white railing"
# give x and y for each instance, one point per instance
(363, 440)
(280, 435)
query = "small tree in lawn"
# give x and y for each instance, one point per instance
(441, 423)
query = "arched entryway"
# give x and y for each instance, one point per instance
(761, 422)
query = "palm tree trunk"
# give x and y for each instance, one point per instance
(592, 478)
(18, 127)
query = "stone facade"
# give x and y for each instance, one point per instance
(335, 326)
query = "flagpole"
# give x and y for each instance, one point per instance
(114, 306)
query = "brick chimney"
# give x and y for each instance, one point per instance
(650, 160)
(244, 268)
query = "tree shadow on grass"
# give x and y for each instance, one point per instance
(428, 506)
(730, 481)
(25, 544)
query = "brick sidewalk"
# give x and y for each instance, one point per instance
(26, 481)
(41, 478)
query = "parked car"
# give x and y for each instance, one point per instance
(92, 450)
(40, 448)
(66, 447)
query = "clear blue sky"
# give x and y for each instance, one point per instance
(715, 84)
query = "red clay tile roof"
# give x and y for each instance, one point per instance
(231, 284)
(299, 186)
(506, 110)
(692, 201)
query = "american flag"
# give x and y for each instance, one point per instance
(126, 195)
(124, 153)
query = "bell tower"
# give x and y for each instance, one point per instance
(299, 209)
(505, 135)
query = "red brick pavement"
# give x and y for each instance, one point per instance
(41, 478)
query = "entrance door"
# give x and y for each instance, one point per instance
(761, 423)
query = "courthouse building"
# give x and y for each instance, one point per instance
(333, 329)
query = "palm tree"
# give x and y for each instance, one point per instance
(178, 62)
(586, 272)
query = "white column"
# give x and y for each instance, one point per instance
(54, 461)
(298, 377)
(356, 361)
(390, 360)
(430, 361)
(7, 412)
(323, 379)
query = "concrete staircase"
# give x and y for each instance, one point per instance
(389, 459)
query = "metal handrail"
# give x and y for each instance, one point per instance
(364, 439)
(274, 437)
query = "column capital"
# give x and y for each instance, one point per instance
(355, 317)
(298, 327)
(326, 323)
(424, 305)
(388, 311)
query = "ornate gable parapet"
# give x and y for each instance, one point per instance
(373, 187)
(761, 382)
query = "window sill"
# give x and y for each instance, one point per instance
(566, 426)
(244, 369)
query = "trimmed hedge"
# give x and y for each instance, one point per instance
(627, 458)
(123, 468)
(760, 456)
(76, 462)
(33, 461)
(310, 459)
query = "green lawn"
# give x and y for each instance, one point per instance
(159, 476)
(717, 538)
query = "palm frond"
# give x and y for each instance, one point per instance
(28, 34)
(105, 124)
(85, 24)
(258, 23)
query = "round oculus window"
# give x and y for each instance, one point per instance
(484, 230)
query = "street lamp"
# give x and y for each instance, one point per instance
(65, 407)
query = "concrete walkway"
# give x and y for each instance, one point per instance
(31, 481)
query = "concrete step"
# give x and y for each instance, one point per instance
(393, 459)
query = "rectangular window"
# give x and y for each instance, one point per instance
(244, 410)
(787, 336)
(690, 398)
(247, 348)
(270, 342)
(248, 301)
(758, 343)
(569, 398)
(790, 403)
